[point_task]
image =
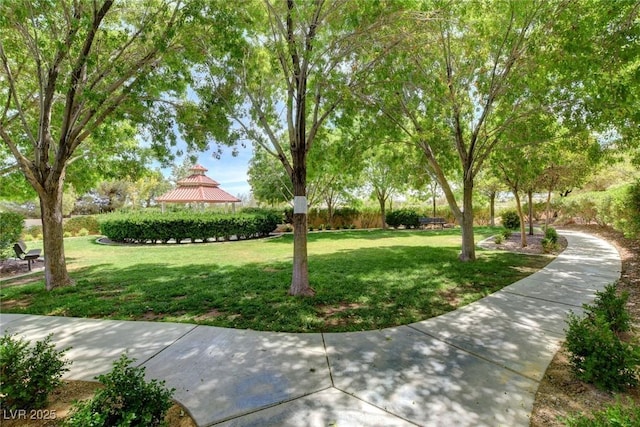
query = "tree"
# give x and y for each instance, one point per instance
(147, 188)
(567, 161)
(592, 53)
(73, 72)
(460, 65)
(518, 168)
(385, 174)
(294, 71)
(268, 179)
(334, 166)
(490, 185)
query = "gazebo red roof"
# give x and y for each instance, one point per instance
(197, 187)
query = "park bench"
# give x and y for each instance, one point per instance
(21, 252)
(428, 221)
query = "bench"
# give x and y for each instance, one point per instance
(427, 221)
(21, 252)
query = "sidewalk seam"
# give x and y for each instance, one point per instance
(169, 345)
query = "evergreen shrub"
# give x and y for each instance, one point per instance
(597, 354)
(126, 400)
(29, 374)
(550, 240)
(510, 220)
(403, 217)
(11, 225)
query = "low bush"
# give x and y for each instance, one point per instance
(510, 220)
(551, 234)
(35, 231)
(597, 354)
(77, 223)
(29, 374)
(506, 233)
(403, 217)
(612, 307)
(498, 239)
(11, 225)
(126, 400)
(550, 240)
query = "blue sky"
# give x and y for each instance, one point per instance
(229, 171)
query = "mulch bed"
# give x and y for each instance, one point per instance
(513, 244)
(15, 267)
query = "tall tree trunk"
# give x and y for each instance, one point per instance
(382, 200)
(492, 209)
(548, 210)
(434, 204)
(530, 197)
(468, 242)
(55, 267)
(300, 277)
(523, 234)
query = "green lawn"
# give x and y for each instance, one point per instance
(363, 279)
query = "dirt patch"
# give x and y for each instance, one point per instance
(208, 315)
(14, 267)
(331, 313)
(60, 403)
(451, 296)
(560, 394)
(16, 303)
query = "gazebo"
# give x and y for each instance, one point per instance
(197, 188)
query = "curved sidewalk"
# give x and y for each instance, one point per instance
(476, 366)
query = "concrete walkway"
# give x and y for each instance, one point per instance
(477, 366)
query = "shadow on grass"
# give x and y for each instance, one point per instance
(372, 234)
(360, 289)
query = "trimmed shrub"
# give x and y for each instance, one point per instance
(510, 220)
(126, 400)
(156, 227)
(403, 217)
(11, 225)
(28, 375)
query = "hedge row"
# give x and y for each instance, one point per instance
(143, 228)
(618, 207)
